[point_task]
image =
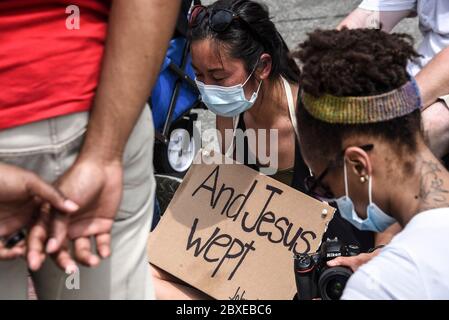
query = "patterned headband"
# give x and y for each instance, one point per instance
(369, 109)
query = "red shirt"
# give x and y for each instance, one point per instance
(46, 68)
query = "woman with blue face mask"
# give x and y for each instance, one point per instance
(247, 78)
(359, 119)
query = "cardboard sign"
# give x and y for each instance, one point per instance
(232, 232)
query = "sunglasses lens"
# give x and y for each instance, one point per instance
(196, 16)
(221, 20)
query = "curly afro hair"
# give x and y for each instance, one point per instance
(359, 62)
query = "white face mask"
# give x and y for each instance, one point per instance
(376, 220)
(227, 101)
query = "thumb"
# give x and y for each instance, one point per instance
(37, 187)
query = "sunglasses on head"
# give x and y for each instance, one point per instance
(314, 185)
(218, 19)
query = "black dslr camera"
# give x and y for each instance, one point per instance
(314, 279)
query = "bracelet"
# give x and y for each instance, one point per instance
(375, 248)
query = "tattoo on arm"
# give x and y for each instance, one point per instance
(433, 193)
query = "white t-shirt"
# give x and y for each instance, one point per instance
(433, 22)
(415, 265)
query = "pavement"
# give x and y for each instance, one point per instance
(295, 18)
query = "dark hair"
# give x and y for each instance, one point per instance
(360, 62)
(249, 43)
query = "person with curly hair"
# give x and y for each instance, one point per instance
(359, 120)
(431, 69)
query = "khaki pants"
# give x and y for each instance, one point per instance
(49, 148)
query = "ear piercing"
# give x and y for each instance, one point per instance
(363, 179)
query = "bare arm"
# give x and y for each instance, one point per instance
(361, 18)
(385, 237)
(138, 38)
(433, 79)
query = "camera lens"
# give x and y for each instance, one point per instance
(335, 287)
(332, 282)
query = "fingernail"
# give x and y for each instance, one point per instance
(105, 252)
(94, 261)
(70, 205)
(52, 245)
(32, 261)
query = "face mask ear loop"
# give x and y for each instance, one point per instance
(346, 178)
(251, 74)
(370, 190)
(246, 81)
(258, 89)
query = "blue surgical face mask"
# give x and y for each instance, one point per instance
(376, 220)
(227, 101)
